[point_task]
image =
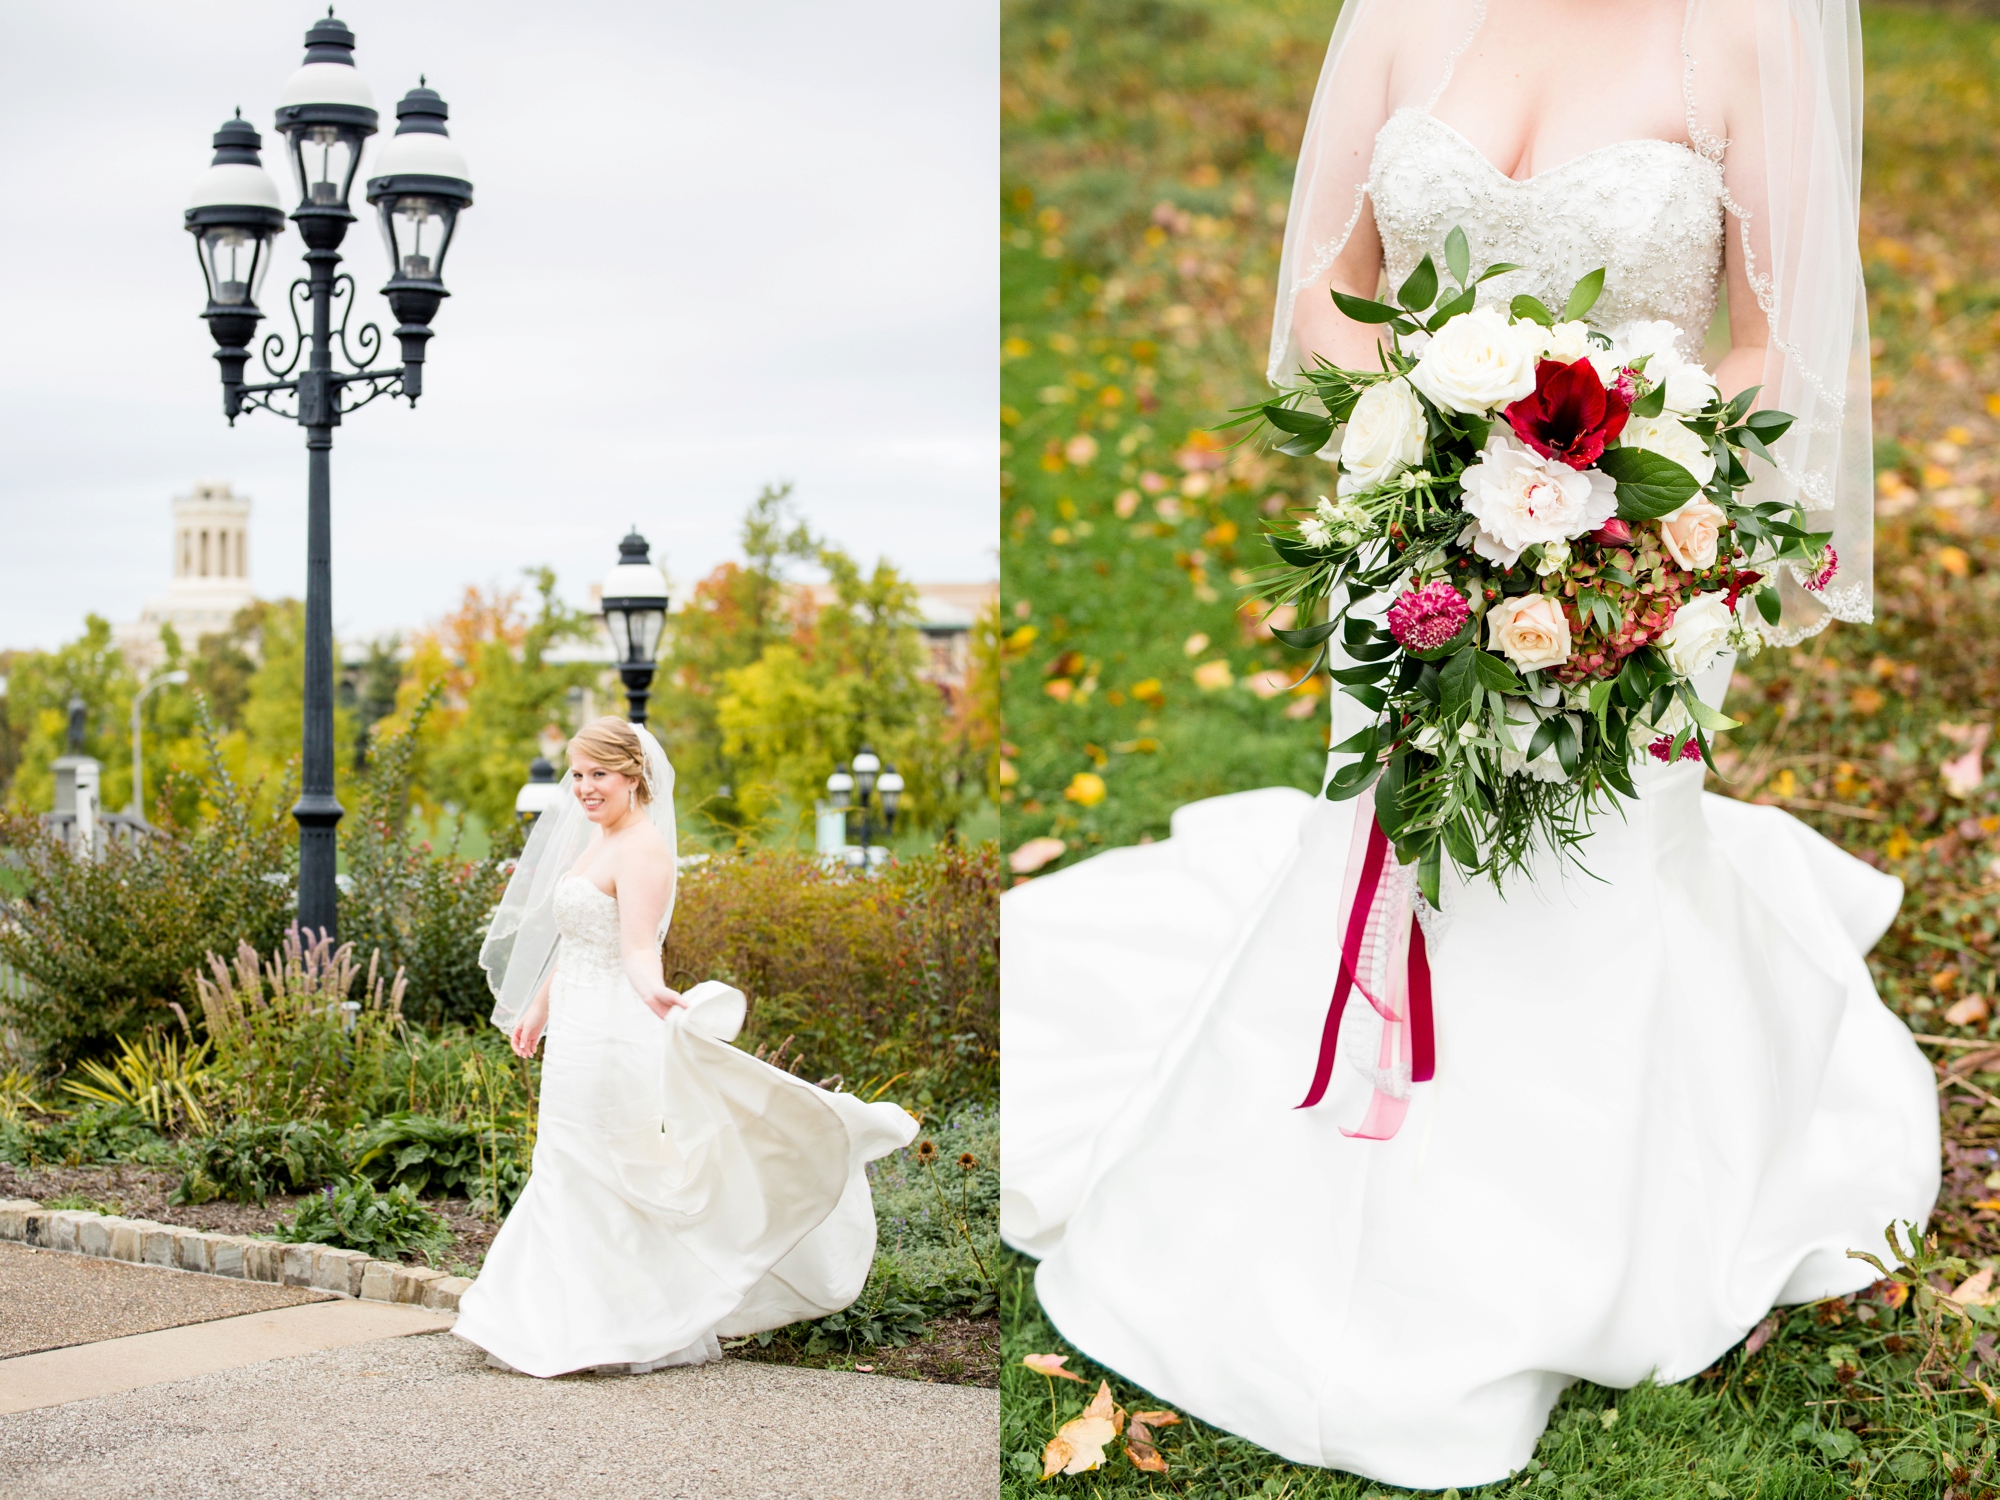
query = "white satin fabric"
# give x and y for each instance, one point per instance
(682, 1190)
(1667, 1098)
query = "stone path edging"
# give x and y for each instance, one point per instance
(347, 1273)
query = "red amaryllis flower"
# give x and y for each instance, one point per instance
(1570, 416)
(1424, 619)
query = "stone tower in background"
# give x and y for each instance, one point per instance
(210, 578)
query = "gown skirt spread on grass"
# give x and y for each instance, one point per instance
(682, 1192)
(1667, 1096)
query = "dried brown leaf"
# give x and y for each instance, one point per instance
(1157, 1418)
(1145, 1456)
(1051, 1364)
(1055, 1457)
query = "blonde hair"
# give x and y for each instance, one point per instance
(614, 744)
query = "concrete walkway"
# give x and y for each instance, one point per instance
(233, 1408)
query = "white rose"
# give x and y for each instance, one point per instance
(1670, 437)
(1566, 343)
(1530, 630)
(1699, 631)
(1516, 498)
(1385, 433)
(1476, 362)
(1555, 555)
(1690, 388)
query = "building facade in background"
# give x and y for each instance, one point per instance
(210, 578)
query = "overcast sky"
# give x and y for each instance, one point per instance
(712, 245)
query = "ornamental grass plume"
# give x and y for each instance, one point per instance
(1425, 618)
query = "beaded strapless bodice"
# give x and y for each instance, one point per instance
(1648, 211)
(588, 922)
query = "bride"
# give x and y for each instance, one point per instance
(682, 1191)
(1666, 1096)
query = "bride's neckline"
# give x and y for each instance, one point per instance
(572, 875)
(1563, 166)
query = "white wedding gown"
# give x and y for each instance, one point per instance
(1665, 1099)
(682, 1191)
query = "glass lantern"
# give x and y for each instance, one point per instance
(327, 110)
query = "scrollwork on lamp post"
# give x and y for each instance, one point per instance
(327, 113)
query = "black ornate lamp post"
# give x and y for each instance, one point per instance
(541, 792)
(874, 782)
(635, 612)
(889, 791)
(326, 113)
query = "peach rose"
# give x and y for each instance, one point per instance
(1691, 533)
(1530, 631)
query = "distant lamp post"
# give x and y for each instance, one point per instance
(867, 781)
(326, 113)
(158, 680)
(542, 791)
(635, 612)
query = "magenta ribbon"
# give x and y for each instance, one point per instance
(1384, 940)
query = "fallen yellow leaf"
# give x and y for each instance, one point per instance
(1086, 789)
(1195, 644)
(1085, 1436)
(1976, 1290)
(1158, 1418)
(1051, 1364)
(1145, 1456)
(1211, 676)
(1954, 561)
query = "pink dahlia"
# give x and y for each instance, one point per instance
(1827, 568)
(1663, 748)
(1424, 619)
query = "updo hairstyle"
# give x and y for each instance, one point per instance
(614, 744)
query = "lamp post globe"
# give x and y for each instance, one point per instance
(421, 183)
(326, 111)
(889, 787)
(840, 786)
(866, 764)
(635, 612)
(541, 792)
(234, 215)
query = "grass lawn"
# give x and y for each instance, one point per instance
(1147, 157)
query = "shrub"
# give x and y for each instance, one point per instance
(437, 1158)
(107, 945)
(103, 1132)
(876, 979)
(304, 1051)
(461, 1073)
(247, 1162)
(168, 1083)
(426, 912)
(353, 1216)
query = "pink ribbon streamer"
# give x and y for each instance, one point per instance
(1383, 942)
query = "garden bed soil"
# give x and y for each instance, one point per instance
(953, 1351)
(138, 1192)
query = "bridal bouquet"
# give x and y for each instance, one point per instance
(1553, 512)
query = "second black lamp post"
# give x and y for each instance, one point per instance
(635, 613)
(326, 113)
(870, 781)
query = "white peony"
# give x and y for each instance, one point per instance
(1515, 737)
(1517, 498)
(1385, 434)
(1699, 631)
(1690, 388)
(1670, 437)
(1476, 362)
